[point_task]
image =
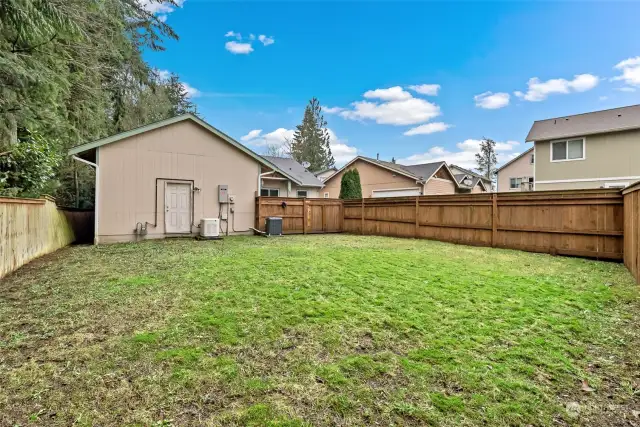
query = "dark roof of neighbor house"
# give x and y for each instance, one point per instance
(419, 172)
(291, 167)
(472, 173)
(514, 159)
(474, 180)
(613, 120)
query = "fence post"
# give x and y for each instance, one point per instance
(417, 216)
(304, 216)
(258, 206)
(494, 219)
(362, 218)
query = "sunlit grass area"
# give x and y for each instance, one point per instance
(317, 330)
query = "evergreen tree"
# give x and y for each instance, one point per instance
(311, 139)
(486, 158)
(350, 187)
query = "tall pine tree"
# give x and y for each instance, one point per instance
(311, 139)
(486, 158)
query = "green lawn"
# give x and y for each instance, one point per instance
(318, 330)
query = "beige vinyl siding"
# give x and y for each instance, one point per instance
(184, 150)
(439, 186)
(324, 175)
(371, 178)
(478, 189)
(607, 158)
(519, 168)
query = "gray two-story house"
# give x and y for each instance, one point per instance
(600, 149)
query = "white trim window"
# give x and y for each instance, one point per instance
(301, 193)
(532, 159)
(326, 195)
(270, 192)
(568, 150)
(515, 183)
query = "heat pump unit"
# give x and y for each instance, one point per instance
(210, 228)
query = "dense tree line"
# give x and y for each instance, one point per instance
(72, 71)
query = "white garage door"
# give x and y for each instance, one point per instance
(401, 192)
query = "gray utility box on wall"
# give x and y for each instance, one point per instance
(274, 226)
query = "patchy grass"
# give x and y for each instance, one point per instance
(317, 330)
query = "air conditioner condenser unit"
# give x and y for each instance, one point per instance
(210, 228)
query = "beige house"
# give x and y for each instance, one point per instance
(275, 184)
(386, 179)
(593, 150)
(159, 180)
(324, 174)
(517, 173)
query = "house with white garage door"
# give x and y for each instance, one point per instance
(379, 178)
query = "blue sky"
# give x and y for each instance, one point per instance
(418, 81)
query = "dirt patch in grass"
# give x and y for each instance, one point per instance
(317, 330)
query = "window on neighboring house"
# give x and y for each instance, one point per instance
(572, 149)
(532, 158)
(326, 195)
(302, 193)
(272, 192)
(514, 183)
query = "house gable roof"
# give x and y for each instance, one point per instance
(514, 159)
(470, 172)
(162, 123)
(421, 173)
(613, 120)
(306, 178)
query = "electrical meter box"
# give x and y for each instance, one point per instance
(223, 193)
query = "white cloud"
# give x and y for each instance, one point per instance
(626, 89)
(163, 74)
(408, 112)
(342, 152)
(539, 91)
(252, 37)
(266, 40)
(238, 36)
(395, 93)
(465, 157)
(332, 110)
(192, 92)
(431, 90)
(238, 48)
(428, 128)
(253, 134)
(492, 101)
(630, 69)
(603, 98)
(160, 9)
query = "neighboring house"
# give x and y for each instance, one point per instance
(386, 179)
(159, 180)
(325, 173)
(470, 183)
(593, 150)
(275, 184)
(517, 173)
(457, 170)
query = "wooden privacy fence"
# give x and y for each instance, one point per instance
(631, 197)
(586, 223)
(301, 216)
(33, 227)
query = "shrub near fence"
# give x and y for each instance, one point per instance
(30, 228)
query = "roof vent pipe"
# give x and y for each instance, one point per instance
(377, 156)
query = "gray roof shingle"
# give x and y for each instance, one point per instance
(615, 119)
(295, 169)
(419, 172)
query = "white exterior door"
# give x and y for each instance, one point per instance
(401, 192)
(177, 208)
